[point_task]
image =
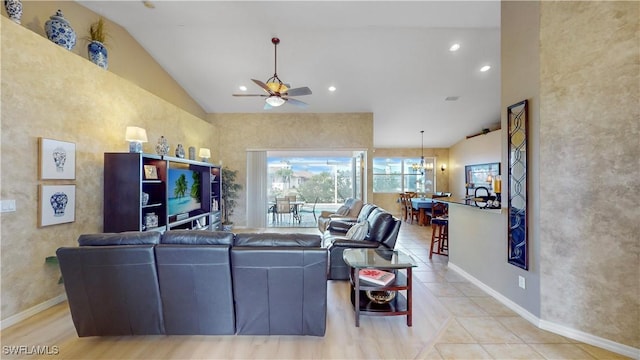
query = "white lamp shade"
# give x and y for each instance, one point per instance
(136, 134)
(205, 153)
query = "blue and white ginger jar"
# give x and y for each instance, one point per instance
(98, 54)
(162, 147)
(59, 31)
(14, 10)
(59, 202)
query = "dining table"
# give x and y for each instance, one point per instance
(422, 204)
(295, 205)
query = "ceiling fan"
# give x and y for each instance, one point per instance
(277, 92)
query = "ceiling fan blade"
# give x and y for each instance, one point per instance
(262, 85)
(297, 103)
(263, 95)
(298, 91)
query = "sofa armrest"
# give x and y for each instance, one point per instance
(348, 243)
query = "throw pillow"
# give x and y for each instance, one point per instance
(358, 231)
(342, 210)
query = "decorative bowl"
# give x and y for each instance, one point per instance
(381, 297)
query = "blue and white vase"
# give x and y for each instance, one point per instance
(59, 31)
(98, 54)
(14, 10)
(180, 151)
(58, 202)
(162, 147)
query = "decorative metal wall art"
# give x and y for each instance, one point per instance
(517, 184)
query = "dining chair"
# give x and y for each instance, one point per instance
(283, 206)
(403, 205)
(412, 213)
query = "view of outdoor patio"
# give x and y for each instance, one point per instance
(307, 181)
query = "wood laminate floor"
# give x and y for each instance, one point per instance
(453, 319)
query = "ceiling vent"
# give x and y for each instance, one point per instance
(451, 98)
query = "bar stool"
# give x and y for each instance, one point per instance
(439, 236)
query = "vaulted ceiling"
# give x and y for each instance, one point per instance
(390, 58)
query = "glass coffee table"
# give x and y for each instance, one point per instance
(380, 300)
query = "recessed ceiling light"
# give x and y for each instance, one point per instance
(332, 88)
(454, 47)
(485, 68)
(242, 88)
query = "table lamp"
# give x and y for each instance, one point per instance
(205, 154)
(135, 136)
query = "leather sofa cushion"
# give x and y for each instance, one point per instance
(197, 237)
(276, 239)
(112, 290)
(380, 222)
(280, 290)
(196, 290)
(123, 238)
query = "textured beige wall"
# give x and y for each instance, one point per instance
(271, 131)
(50, 92)
(127, 58)
(590, 181)
(389, 201)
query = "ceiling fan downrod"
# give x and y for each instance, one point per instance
(274, 83)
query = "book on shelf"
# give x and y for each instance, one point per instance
(375, 276)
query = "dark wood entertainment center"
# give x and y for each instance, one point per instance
(129, 176)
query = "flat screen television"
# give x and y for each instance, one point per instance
(184, 191)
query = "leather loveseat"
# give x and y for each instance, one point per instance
(196, 283)
(382, 233)
(348, 211)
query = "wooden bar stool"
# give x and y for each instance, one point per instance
(439, 236)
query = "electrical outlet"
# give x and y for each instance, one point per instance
(521, 282)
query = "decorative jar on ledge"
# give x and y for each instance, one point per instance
(14, 10)
(59, 31)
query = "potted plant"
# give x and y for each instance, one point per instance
(96, 48)
(229, 194)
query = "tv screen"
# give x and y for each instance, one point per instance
(184, 191)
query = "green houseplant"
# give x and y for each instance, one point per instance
(229, 196)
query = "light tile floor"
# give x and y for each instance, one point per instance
(481, 327)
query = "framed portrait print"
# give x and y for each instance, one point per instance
(150, 172)
(57, 159)
(57, 204)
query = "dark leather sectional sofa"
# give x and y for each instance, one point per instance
(196, 283)
(382, 234)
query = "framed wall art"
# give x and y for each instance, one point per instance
(150, 172)
(57, 159)
(57, 204)
(517, 191)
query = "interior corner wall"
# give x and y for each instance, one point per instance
(285, 131)
(127, 58)
(53, 93)
(590, 178)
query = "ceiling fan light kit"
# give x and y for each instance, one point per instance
(277, 93)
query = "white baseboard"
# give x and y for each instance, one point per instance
(14, 319)
(548, 325)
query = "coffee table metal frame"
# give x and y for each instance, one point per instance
(388, 260)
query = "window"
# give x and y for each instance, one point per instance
(395, 175)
